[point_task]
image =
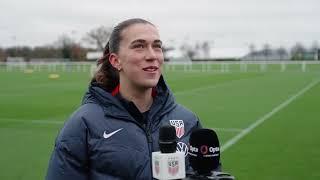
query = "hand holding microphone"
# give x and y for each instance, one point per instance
(168, 164)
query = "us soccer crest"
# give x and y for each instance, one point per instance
(173, 166)
(179, 125)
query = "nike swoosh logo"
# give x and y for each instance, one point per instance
(106, 136)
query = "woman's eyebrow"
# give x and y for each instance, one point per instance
(144, 41)
(138, 41)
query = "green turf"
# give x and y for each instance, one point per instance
(286, 146)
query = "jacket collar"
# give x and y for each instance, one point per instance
(162, 103)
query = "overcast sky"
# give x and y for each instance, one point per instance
(227, 24)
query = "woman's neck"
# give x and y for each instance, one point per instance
(141, 97)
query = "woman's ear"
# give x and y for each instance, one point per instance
(115, 61)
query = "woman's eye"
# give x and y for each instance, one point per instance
(157, 46)
(138, 46)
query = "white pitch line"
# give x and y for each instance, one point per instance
(46, 122)
(39, 121)
(259, 121)
(228, 129)
(191, 91)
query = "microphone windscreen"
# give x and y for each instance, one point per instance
(167, 139)
(204, 151)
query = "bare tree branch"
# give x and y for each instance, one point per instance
(98, 37)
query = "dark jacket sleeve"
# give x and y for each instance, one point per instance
(69, 159)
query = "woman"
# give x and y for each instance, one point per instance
(114, 132)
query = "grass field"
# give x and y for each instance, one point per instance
(268, 121)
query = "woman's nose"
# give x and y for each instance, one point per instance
(151, 54)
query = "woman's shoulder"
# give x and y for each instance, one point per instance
(184, 110)
(88, 109)
(185, 114)
(79, 121)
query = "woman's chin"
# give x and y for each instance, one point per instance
(150, 83)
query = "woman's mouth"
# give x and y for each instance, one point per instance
(150, 68)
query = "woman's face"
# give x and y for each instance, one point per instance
(140, 56)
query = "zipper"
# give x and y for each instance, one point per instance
(150, 143)
(144, 128)
(149, 137)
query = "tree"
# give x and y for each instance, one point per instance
(297, 51)
(282, 52)
(165, 50)
(315, 46)
(206, 49)
(65, 43)
(197, 50)
(12, 51)
(266, 50)
(252, 51)
(188, 50)
(46, 52)
(19, 51)
(2, 55)
(25, 52)
(78, 53)
(98, 37)
(70, 49)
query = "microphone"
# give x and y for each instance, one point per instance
(204, 151)
(167, 163)
(204, 155)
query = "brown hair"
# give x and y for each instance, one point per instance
(111, 74)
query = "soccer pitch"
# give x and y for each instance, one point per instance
(267, 118)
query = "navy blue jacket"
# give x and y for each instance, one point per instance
(101, 140)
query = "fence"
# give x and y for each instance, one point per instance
(210, 66)
(244, 66)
